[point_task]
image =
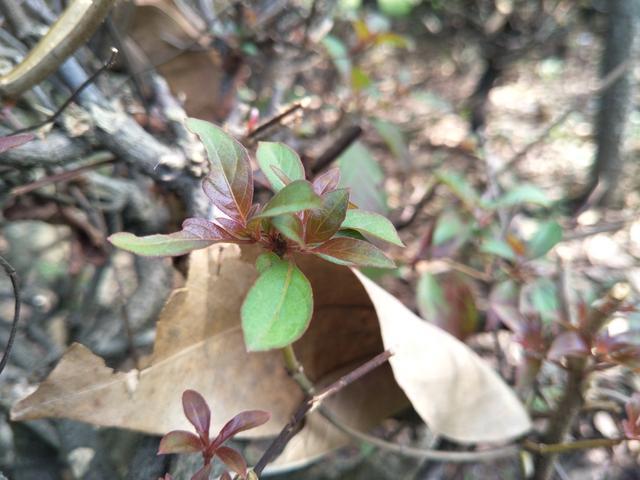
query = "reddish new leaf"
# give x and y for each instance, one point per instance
(179, 441)
(225, 476)
(326, 182)
(197, 412)
(568, 344)
(322, 223)
(241, 422)
(233, 460)
(353, 253)
(229, 185)
(13, 141)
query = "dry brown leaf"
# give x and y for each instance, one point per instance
(454, 391)
(199, 345)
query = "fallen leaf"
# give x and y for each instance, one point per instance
(199, 346)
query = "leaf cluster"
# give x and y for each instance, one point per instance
(302, 217)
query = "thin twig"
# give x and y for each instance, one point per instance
(256, 132)
(104, 158)
(586, 444)
(340, 145)
(11, 273)
(74, 95)
(311, 402)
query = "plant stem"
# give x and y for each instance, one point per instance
(545, 449)
(296, 370)
(577, 376)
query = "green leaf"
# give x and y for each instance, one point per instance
(279, 155)
(196, 233)
(460, 187)
(339, 53)
(543, 296)
(395, 140)
(359, 79)
(177, 243)
(450, 225)
(548, 235)
(229, 184)
(289, 225)
(278, 307)
(353, 253)
(295, 197)
(497, 247)
(360, 172)
(372, 224)
(524, 193)
(447, 301)
(322, 223)
(265, 260)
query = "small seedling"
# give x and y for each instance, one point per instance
(199, 415)
(302, 217)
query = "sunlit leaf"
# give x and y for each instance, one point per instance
(549, 234)
(353, 253)
(295, 197)
(229, 184)
(179, 441)
(322, 223)
(279, 155)
(359, 79)
(278, 307)
(373, 225)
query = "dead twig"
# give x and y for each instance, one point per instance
(343, 142)
(11, 273)
(256, 132)
(313, 401)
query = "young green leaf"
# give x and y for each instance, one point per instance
(279, 155)
(322, 223)
(395, 140)
(373, 225)
(524, 193)
(360, 172)
(547, 236)
(295, 197)
(196, 233)
(289, 225)
(265, 260)
(499, 248)
(278, 307)
(353, 253)
(229, 185)
(460, 187)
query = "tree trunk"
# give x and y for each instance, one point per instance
(614, 101)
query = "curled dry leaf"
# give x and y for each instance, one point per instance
(199, 346)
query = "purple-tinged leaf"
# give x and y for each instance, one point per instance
(322, 223)
(243, 421)
(284, 159)
(621, 349)
(353, 253)
(206, 230)
(327, 181)
(179, 441)
(229, 185)
(503, 306)
(290, 226)
(171, 245)
(225, 476)
(203, 474)
(197, 412)
(447, 300)
(13, 141)
(233, 460)
(295, 197)
(568, 344)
